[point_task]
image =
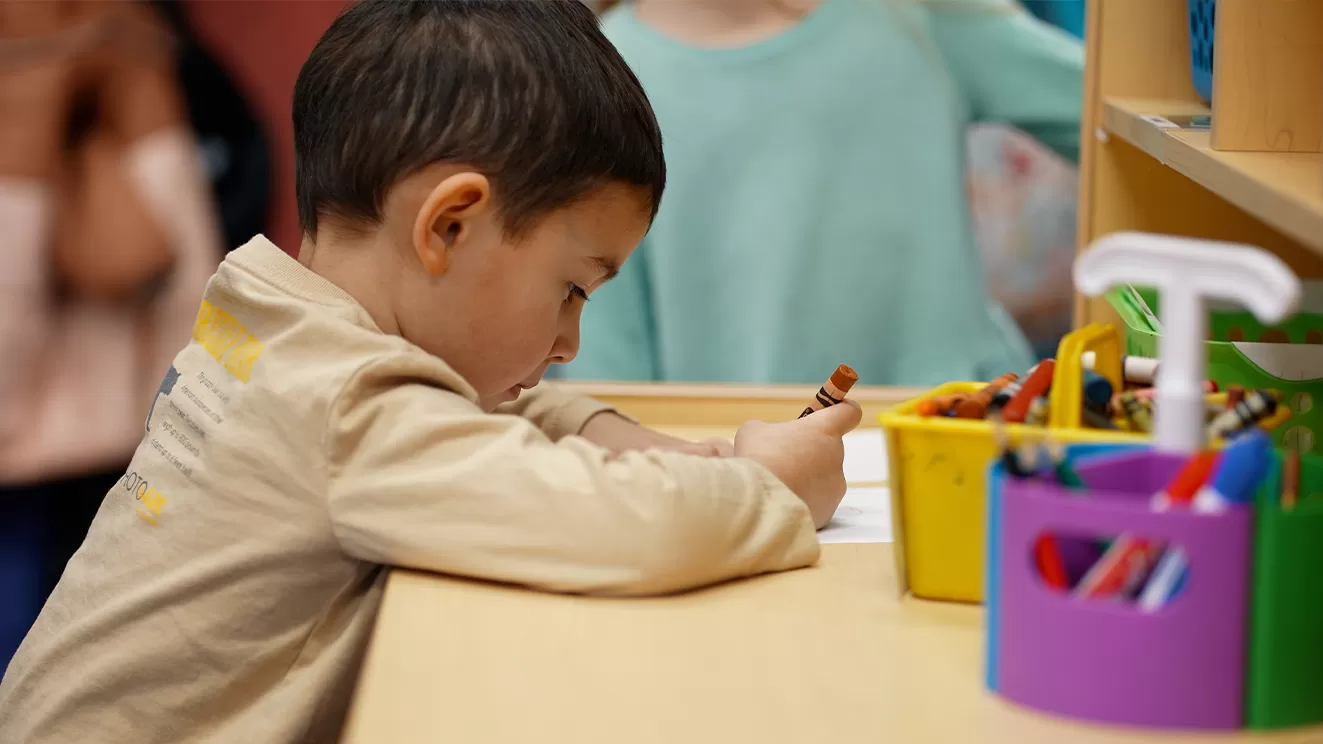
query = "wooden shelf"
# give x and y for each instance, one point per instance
(1284, 190)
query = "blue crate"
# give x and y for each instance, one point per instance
(1203, 20)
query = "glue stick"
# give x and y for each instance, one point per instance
(1135, 370)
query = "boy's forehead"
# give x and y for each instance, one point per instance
(607, 226)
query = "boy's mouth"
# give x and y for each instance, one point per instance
(515, 390)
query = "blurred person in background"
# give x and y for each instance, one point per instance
(1023, 197)
(818, 209)
(1067, 15)
(236, 152)
(109, 235)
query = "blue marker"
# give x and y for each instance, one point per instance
(1243, 464)
(1166, 582)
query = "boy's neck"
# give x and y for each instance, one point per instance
(723, 23)
(353, 265)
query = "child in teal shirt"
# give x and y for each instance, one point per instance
(817, 212)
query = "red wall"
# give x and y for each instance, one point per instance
(263, 44)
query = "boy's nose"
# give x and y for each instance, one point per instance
(566, 347)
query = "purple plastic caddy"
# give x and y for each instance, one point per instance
(1182, 666)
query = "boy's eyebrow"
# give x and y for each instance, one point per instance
(608, 267)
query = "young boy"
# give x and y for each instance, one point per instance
(467, 174)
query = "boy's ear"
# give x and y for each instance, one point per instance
(445, 219)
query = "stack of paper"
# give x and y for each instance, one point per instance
(864, 516)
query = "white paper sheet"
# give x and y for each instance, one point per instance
(865, 457)
(1287, 361)
(864, 516)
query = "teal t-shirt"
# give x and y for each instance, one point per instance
(815, 210)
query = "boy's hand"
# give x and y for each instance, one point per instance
(618, 434)
(806, 454)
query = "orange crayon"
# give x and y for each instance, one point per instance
(976, 405)
(833, 390)
(939, 406)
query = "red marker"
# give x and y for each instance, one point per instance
(1035, 385)
(1050, 565)
(1182, 488)
(1122, 569)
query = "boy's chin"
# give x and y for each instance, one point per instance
(489, 403)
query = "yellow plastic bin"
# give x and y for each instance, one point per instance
(939, 469)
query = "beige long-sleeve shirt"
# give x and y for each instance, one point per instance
(228, 586)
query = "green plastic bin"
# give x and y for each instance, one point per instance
(1228, 366)
(1285, 686)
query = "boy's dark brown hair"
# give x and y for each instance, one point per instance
(529, 92)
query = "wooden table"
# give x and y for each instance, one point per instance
(825, 654)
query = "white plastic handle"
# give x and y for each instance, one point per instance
(1187, 273)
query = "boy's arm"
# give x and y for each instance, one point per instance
(421, 478)
(556, 412)
(618, 333)
(1014, 68)
(560, 414)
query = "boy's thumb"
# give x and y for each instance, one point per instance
(840, 419)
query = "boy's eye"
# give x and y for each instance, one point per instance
(576, 291)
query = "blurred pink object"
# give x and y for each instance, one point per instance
(1023, 201)
(79, 374)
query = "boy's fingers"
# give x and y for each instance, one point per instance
(719, 447)
(708, 448)
(840, 419)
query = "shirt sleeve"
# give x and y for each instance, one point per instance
(618, 332)
(557, 413)
(421, 478)
(1014, 68)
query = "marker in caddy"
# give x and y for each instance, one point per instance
(1242, 465)
(1187, 482)
(1166, 582)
